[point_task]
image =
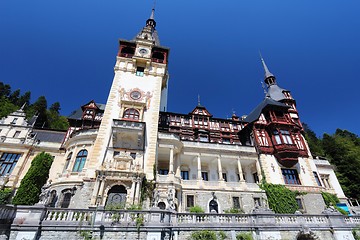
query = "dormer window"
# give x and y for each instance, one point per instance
(140, 71)
(14, 121)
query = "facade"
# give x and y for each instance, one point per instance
(111, 150)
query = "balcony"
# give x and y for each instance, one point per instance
(128, 134)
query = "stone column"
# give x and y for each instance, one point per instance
(219, 168)
(199, 167)
(178, 165)
(258, 170)
(137, 192)
(241, 176)
(95, 191)
(132, 190)
(171, 161)
(101, 190)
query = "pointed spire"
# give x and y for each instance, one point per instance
(152, 14)
(267, 72)
(269, 77)
(199, 104)
(22, 107)
(151, 21)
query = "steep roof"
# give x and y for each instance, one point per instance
(255, 114)
(49, 135)
(77, 114)
(275, 92)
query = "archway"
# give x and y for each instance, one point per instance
(213, 206)
(116, 197)
(162, 205)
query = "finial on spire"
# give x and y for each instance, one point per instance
(22, 107)
(152, 14)
(199, 100)
(267, 72)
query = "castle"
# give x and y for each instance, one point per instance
(112, 152)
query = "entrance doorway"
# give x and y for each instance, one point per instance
(116, 197)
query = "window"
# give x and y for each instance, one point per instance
(277, 137)
(140, 71)
(286, 137)
(257, 201)
(317, 179)
(16, 134)
(224, 176)
(226, 140)
(131, 113)
(203, 138)
(8, 162)
(236, 202)
(256, 177)
(66, 200)
(204, 176)
(190, 201)
(164, 171)
(325, 180)
(14, 121)
(80, 161)
(283, 137)
(299, 203)
(291, 176)
(184, 175)
(67, 162)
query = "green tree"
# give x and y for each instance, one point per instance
(39, 107)
(313, 141)
(6, 107)
(55, 107)
(5, 90)
(25, 98)
(37, 175)
(14, 96)
(343, 151)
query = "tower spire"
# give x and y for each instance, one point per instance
(269, 77)
(151, 21)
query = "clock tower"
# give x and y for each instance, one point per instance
(124, 151)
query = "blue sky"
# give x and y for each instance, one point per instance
(66, 51)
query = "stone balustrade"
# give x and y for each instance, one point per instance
(29, 218)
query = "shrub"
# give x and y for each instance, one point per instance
(30, 186)
(5, 196)
(222, 235)
(196, 209)
(234, 210)
(330, 199)
(203, 235)
(244, 236)
(280, 198)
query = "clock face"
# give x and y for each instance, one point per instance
(136, 95)
(143, 51)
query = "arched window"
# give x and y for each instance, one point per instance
(67, 162)
(66, 200)
(80, 161)
(131, 113)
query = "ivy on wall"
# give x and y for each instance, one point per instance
(331, 200)
(30, 186)
(280, 198)
(5, 196)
